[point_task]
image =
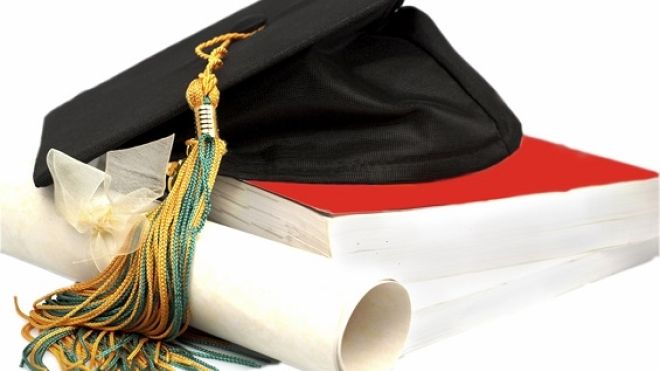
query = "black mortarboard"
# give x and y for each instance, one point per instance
(342, 91)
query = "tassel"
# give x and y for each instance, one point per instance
(135, 313)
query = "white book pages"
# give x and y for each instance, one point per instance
(426, 243)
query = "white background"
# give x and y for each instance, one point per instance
(582, 73)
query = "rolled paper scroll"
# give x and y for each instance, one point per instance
(288, 304)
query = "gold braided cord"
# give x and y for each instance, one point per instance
(206, 84)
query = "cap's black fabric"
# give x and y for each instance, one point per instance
(342, 91)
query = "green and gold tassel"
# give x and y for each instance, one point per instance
(135, 313)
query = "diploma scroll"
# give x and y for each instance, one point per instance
(289, 304)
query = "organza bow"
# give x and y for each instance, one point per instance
(111, 206)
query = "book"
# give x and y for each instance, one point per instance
(546, 201)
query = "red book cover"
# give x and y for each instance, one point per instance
(537, 167)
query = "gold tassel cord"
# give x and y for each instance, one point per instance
(135, 313)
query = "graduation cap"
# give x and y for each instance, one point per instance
(350, 91)
(344, 91)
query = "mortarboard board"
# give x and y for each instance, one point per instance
(348, 91)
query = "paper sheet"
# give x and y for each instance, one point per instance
(288, 304)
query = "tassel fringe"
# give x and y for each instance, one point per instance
(135, 313)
